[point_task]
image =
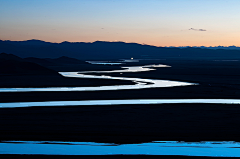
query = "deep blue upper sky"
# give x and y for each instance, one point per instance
(155, 22)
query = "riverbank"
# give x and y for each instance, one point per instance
(26, 81)
(216, 79)
(123, 123)
(179, 92)
(135, 123)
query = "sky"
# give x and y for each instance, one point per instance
(152, 22)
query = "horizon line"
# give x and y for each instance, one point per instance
(122, 42)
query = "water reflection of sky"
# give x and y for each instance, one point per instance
(105, 62)
(213, 149)
(118, 102)
(130, 69)
(140, 83)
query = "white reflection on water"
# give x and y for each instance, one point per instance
(130, 69)
(211, 149)
(105, 62)
(118, 102)
(109, 63)
(140, 83)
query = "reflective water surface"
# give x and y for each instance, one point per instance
(130, 69)
(140, 83)
(210, 149)
(118, 102)
(105, 62)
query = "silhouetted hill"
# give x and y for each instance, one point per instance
(101, 50)
(18, 72)
(66, 60)
(4, 57)
(40, 61)
(213, 47)
(33, 42)
(13, 65)
(54, 62)
(16, 67)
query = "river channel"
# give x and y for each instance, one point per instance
(209, 149)
(139, 82)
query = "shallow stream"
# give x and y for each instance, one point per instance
(210, 149)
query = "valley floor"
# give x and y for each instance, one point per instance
(135, 123)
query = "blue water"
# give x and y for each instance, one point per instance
(226, 149)
(118, 102)
(210, 149)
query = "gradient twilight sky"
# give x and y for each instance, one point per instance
(153, 22)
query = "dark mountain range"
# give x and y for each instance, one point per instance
(100, 50)
(5, 57)
(66, 60)
(53, 62)
(13, 65)
(17, 72)
(40, 61)
(212, 47)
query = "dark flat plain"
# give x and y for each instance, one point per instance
(122, 124)
(135, 123)
(216, 79)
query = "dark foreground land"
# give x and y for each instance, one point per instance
(215, 79)
(23, 81)
(135, 123)
(122, 124)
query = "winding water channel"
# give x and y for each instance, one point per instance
(213, 149)
(118, 102)
(210, 149)
(139, 82)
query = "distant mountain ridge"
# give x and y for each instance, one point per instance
(13, 65)
(101, 50)
(210, 47)
(54, 61)
(6, 57)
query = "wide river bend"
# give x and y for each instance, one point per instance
(139, 82)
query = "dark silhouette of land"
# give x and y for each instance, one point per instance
(123, 123)
(63, 60)
(101, 50)
(13, 65)
(135, 123)
(19, 72)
